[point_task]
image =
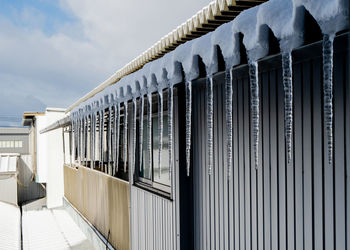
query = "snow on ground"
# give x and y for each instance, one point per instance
(51, 229)
(10, 227)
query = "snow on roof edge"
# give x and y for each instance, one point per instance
(283, 17)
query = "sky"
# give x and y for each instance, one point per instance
(52, 52)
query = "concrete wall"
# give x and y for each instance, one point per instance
(101, 199)
(54, 184)
(27, 188)
(45, 142)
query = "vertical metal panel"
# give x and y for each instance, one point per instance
(339, 169)
(303, 205)
(152, 224)
(298, 157)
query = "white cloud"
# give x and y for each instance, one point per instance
(58, 68)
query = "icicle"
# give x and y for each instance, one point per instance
(328, 92)
(109, 140)
(101, 137)
(84, 138)
(134, 134)
(160, 130)
(74, 124)
(141, 129)
(92, 146)
(229, 125)
(188, 124)
(170, 129)
(94, 138)
(125, 133)
(288, 102)
(79, 141)
(210, 114)
(116, 162)
(149, 128)
(91, 140)
(114, 139)
(254, 99)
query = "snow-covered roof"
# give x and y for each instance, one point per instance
(285, 18)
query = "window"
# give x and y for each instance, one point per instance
(11, 144)
(149, 172)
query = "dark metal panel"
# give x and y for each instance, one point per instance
(265, 110)
(317, 142)
(259, 179)
(307, 156)
(298, 156)
(347, 147)
(339, 150)
(235, 215)
(282, 207)
(274, 160)
(247, 159)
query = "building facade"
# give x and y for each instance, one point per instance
(238, 139)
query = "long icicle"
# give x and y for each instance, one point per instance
(79, 140)
(149, 128)
(114, 139)
(74, 125)
(170, 129)
(229, 125)
(92, 148)
(94, 138)
(117, 138)
(160, 130)
(109, 139)
(141, 130)
(100, 139)
(210, 114)
(327, 47)
(288, 102)
(134, 121)
(84, 140)
(91, 139)
(188, 124)
(125, 134)
(255, 109)
(101, 134)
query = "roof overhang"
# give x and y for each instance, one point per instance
(204, 21)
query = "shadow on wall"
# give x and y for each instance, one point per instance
(27, 188)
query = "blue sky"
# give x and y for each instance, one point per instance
(52, 52)
(45, 15)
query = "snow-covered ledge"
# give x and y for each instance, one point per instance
(285, 18)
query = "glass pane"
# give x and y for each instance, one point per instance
(162, 175)
(146, 167)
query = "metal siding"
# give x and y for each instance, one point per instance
(153, 221)
(302, 205)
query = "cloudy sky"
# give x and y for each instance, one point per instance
(52, 52)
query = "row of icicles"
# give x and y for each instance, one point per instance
(80, 125)
(255, 108)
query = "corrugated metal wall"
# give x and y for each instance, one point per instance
(302, 206)
(153, 221)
